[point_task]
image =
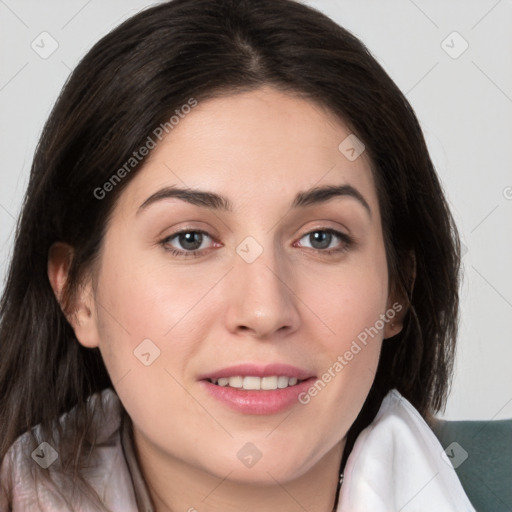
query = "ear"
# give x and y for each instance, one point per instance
(81, 311)
(398, 300)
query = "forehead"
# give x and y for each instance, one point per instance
(263, 145)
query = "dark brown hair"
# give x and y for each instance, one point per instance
(128, 84)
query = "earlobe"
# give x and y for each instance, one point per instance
(395, 315)
(392, 329)
(83, 318)
(397, 308)
(80, 312)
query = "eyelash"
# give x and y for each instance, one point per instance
(347, 241)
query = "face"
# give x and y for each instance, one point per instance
(276, 279)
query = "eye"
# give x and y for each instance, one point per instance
(327, 240)
(195, 242)
(187, 243)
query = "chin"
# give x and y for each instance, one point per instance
(260, 467)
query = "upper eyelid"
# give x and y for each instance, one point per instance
(343, 237)
(182, 231)
(203, 232)
(188, 230)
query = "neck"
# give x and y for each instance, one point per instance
(176, 486)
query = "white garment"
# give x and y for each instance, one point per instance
(397, 465)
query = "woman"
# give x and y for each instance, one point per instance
(234, 281)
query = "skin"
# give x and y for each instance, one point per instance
(294, 304)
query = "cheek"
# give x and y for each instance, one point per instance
(143, 294)
(349, 299)
(145, 307)
(352, 315)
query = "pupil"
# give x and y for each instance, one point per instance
(320, 239)
(191, 241)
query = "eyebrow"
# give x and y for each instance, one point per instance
(218, 202)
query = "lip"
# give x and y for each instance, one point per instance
(259, 402)
(254, 370)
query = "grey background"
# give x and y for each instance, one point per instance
(464, 105)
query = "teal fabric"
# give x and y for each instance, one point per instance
(481, 452)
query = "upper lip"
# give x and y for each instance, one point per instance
(255, 370)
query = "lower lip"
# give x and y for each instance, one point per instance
(258, 401)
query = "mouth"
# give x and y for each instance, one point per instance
(253, 389)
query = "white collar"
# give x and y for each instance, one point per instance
(397, 464)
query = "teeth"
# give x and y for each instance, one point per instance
(269, 383)
(282, 382)
(236, 382)
(256, 383)
(252, 383)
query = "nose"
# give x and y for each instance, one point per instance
(261, 301)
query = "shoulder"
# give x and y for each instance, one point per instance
(35, 473)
